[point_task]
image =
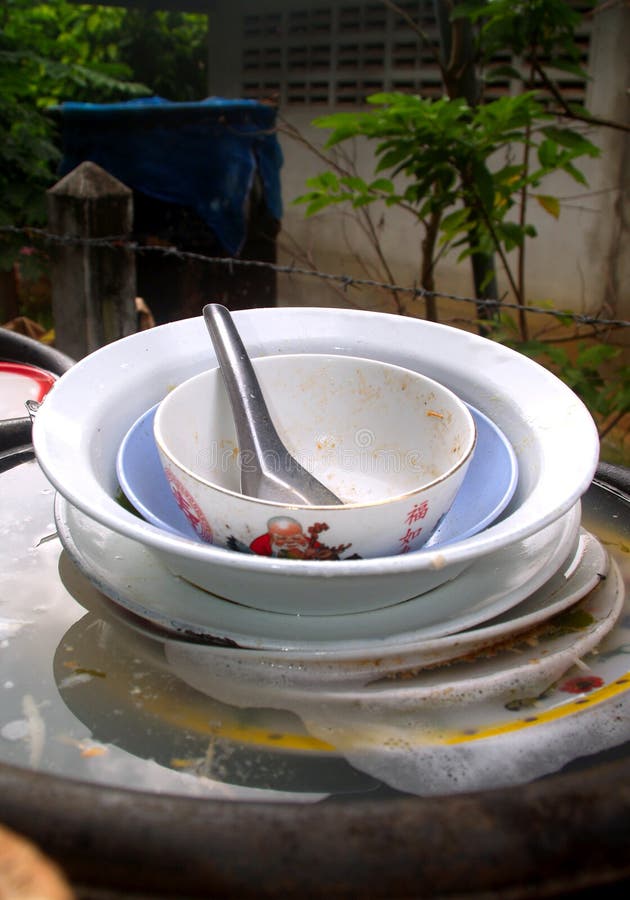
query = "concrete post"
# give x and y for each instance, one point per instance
(93, 287)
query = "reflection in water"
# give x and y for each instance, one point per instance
(120, 684)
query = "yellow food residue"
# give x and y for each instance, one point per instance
(93, 751)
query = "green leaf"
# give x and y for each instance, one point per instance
(500, 73)
(336, 120)
(570, 67)
(317, 205)
(511, 234)
(595, 355)
(384, 185)
(364, 200)
(578, 176)
(354, 183)
(557, 354)
(483, 184)
(397, 156)
(455, 220)
(549, 204)
(570, 139)
(328, 181)
(547, 154)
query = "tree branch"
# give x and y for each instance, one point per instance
(565, 110)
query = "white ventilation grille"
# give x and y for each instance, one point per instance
(338, 54)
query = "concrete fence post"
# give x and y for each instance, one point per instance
(93, 287)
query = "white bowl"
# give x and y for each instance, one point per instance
(392, 444)
(487, 489)
(84, 418)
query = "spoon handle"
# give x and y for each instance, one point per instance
(268, 471)
(255, 431)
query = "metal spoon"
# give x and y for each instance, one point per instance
(268, 471)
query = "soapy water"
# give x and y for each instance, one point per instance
(431, 752)
(405, 758)
(502, 731)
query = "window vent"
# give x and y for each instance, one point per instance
(339, 54)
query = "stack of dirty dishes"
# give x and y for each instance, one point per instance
(277, 588)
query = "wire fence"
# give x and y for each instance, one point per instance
(344, 281)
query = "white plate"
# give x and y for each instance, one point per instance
(132, 576)
(523, 668)
(80, 426)
(580, 573)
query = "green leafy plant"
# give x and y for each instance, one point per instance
(48, 53)
(53, 52)
(167, 51)
(539, 33)
(464, 168)
(593, 368)
(433, 159)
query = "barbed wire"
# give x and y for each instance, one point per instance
(121, 242)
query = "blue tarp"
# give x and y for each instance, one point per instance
(202, 155)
